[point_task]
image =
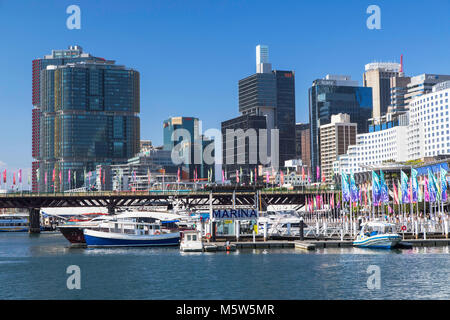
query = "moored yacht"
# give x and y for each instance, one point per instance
(123, 233)
(377, 234)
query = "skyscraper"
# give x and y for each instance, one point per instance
(86, 114)
(378, 75)
(190, 145)
(271, 94)
(334, 95)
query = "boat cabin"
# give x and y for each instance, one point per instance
(374, 228)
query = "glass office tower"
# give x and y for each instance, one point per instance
(88, 115)
(334, 95)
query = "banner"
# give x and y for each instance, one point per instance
(345, 187)
(384, 189)
(405, 185)
(443, 183)
(353, 188)
(432, 186)
(415, 185)
(376, 189)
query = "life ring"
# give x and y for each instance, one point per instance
(403, 228)
(208, 236)
(157, 232)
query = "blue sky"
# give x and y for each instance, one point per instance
(191, 54)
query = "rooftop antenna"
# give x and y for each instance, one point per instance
(401, 63)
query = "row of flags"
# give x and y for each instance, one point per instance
(405, 190)
(4, 175)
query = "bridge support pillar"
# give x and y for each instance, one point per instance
(35, 224)
(111, 210)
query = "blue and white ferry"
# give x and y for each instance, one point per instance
(14, 222)
(116, 233)
(377, 234)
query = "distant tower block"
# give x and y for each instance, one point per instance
(262, 59)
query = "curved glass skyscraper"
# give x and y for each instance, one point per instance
(88, 114)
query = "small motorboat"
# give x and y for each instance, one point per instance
(115, 233)
(377, 234)
(191, 241)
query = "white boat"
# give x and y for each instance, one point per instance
(377, 234)
(191, 241)
(124, 233)
(284, 223)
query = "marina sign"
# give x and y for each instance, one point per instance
(235, 214)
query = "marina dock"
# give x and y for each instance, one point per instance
(318, 244)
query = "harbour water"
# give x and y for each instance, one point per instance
(34, 267)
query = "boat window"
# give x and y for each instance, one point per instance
(194, 237)
(189, 237)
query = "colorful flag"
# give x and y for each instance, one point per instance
(4, 176)
(20, 175)
(353, 188)
(432, 186)
(68, 179)
(384, 189)
(414, 185)
(404, 181)
(281, 178)
(443, 183)
(420, 193)
(317, 173)
(237, 176)
(303, 173)
(267, 176)
(14, 178)
(223, 176)
(345, 187)
(54, 175)
(426, 192)
(376, 189)
(332, 201)
(395, 195)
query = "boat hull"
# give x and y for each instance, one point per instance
(13, 229)
(75, 235)
(381, 241)
(95, 238)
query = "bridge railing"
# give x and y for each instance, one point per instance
(161, 192)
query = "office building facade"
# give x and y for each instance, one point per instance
(182, 137)
(241, 145)
(378, 75)
(334, 95)
(271, 93)
(88, 116)
(335, 138)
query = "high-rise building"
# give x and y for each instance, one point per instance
(378, 75)
(88, 110)
(241, 145)
(334, 95)
(302, 143)
(423, 84)
(184, 134)
(335, 138)
(271, 94)
(57, 57)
